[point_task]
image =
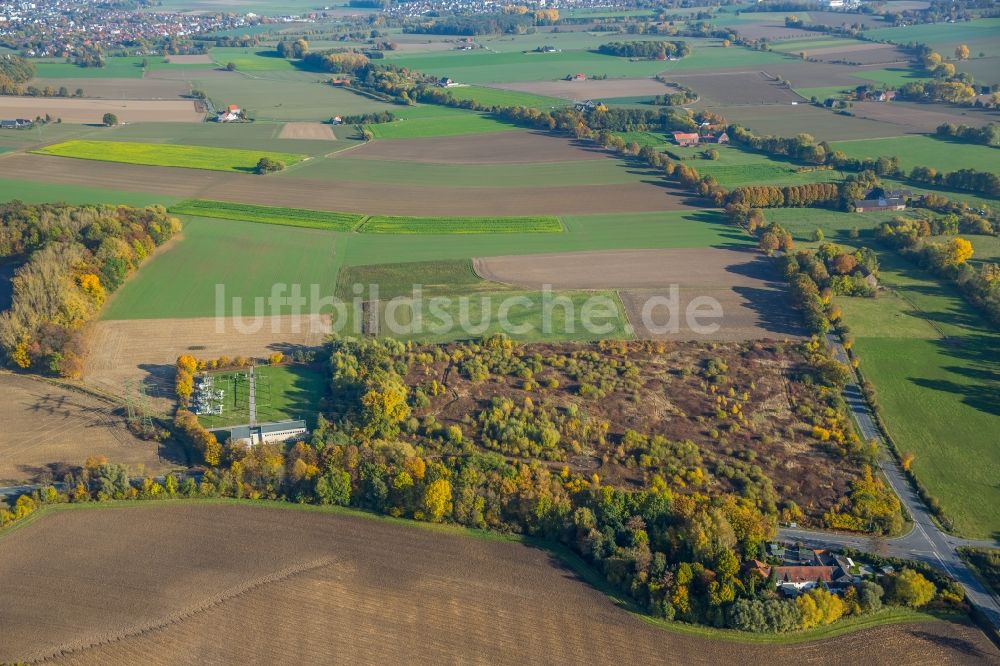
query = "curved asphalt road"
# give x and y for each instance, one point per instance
(925, 542)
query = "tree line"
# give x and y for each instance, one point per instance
(651, 50)
(71, 258)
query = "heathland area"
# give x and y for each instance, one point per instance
(497, 222)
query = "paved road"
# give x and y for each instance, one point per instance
(925, 542)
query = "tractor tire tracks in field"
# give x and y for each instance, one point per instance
(178, 617)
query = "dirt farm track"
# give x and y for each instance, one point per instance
(207, 583)
(369, 198)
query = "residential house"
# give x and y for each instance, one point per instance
(879, 200)
(715, 138)
(445, 82)
(886, 96)
(686, 138)
(230, 114)
(578, 77)
(801, 578)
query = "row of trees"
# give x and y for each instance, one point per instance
(947, 257)
(988, 135)
(71, 258)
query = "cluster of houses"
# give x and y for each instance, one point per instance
(16, 123)
(865, 93)
(59, 27)
(802, 569)
(879, 199)
(706, 135)
(230, 114)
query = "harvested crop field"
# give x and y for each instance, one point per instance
(754, 305)
(146, 349)
(313, 131)
(166, 154)
(505, 147)
(738, 88)
(196, 59)
(367, 198)
(48, 429)
(91, 111)
(591, 89)
(181, 583)
(119, 88)
(921, 118)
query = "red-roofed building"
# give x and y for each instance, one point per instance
(686, 138)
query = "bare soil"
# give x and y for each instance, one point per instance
(185, 583)
(747, 87)
(368, 198)
(147, 349)
(754, 304)
(114, 88)
(500, 147)
(590, 89)
(91, 111)
(312, 131)
(788, 120)
(49, 429)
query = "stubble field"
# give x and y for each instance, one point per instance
(207, 583)
(48, 429)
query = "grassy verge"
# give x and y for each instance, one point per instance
(171, 155)
(386, 224)
(292, 217)
(571, 560)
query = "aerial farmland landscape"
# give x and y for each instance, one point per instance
(435, 331)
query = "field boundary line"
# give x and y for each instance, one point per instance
(183, 615)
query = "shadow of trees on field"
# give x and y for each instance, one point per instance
(949, 642)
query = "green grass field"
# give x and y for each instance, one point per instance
(436, 278)
(980, 35)
(114, 68)
(924, 345)
(891, 76)
(32, 191)
(254, 59)
(479, 67)
(286, 95)
(388, 224)
(283, 392)
(247, 258)
(422, 121)
(926, 151)
(836, 225)
(170, 155)
(291, 217)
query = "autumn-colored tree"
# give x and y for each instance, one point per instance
(819, 607)
(906, 461)
(437, 500)
(845, 263)
(958, 251)
(910, 588)
(932, 61)
(962, 52)
(769, 242)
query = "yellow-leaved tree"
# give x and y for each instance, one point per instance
(437, 500)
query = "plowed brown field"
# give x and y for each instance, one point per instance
(372, 199)
(499, 147)
(186, 583)
(47, 429)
